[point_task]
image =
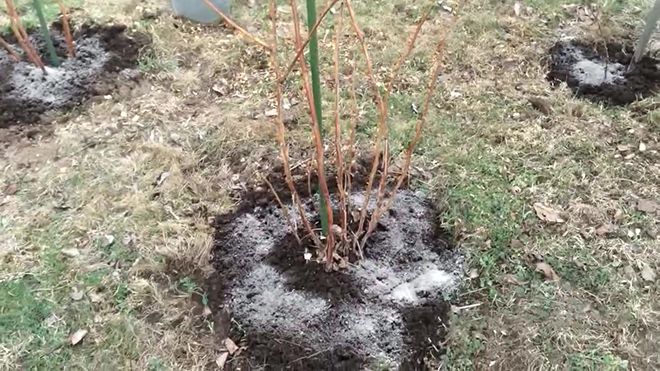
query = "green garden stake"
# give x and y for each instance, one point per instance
(45, 33)
(316, 90)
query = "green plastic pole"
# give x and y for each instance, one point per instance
(39, 9)
(316, 90)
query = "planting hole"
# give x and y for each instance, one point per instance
(105, 60)
(600, 71)
(386, 309)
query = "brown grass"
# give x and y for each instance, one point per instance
(486, 153)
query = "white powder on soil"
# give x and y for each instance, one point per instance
(595, 73)
(403, 271)
(60, 84)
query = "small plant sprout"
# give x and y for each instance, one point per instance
(345, 228)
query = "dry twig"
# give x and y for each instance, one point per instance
(301, 49)
(10, 50)
(236, 26)
(70, 45)
(22, 37)
(382, 132)
(339, 158)
(281, 133)
(316, 135)
(431, 85)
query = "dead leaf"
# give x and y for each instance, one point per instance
(629, 271)
(221, 360)
(605, 229)
(647, 206)
(72, 252)
(517, 8)
(547, 271)
(207, 311)
(648, 274)
(95, 298)
(161, 178)
(517, 244)
(513, 280)
(219, 89)
(77, 336)
(474, 273)
(618, 215)
(230, 346)
(547, 213)
(76, 294)
(11, 189)
(541, 104)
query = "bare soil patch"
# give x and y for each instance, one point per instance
(106, 57)
(387, 309)
(600, 71)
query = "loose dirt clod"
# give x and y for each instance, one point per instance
(386, 309)
(102, 52)
(600, 72)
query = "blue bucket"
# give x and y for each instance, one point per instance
(198, 11)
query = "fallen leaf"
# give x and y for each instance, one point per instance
(541, 104)
(517, 244)
(618, 215)
(76, 294)
(95, 298)
(547, 271)
(512, 279)
(218, 89)
(547, 213)
(207, 311)
(648, 274)
(517, 8)
(647, 206)
(51, 320)
(11, 189)
(77, 336)
(161, 178)
(474, 273)
(230, 346)
(605, 229)
(72, 252)
(221, 360)
(629, 271)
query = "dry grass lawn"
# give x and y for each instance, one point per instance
(104, 217)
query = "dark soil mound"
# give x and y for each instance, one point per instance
(600, 72)
(387, 310)
(105, 57)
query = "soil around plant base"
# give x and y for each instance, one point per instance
(387, 310)
(600, 71)
(106, 57)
